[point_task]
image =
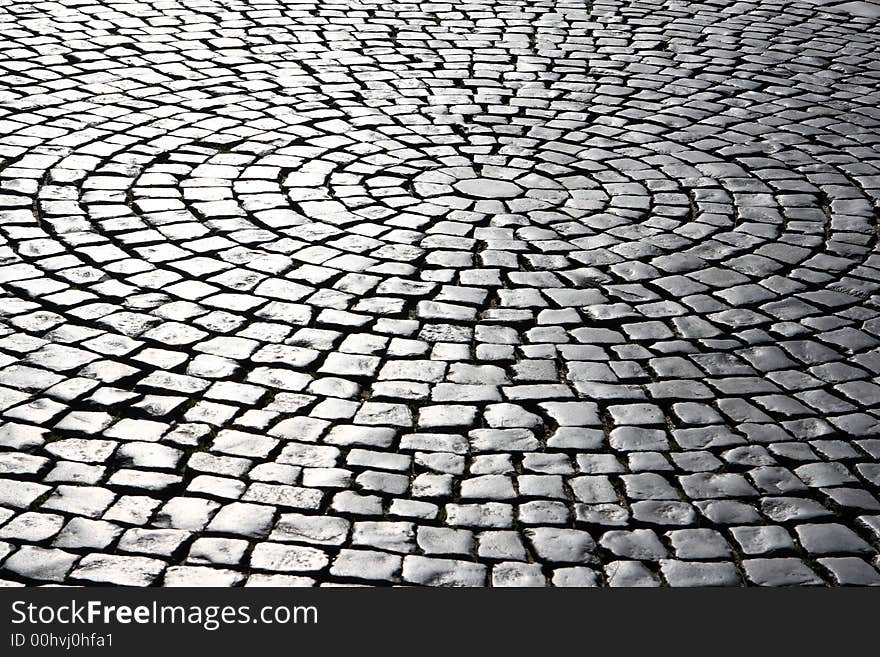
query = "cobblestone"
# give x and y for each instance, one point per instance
(538, 293)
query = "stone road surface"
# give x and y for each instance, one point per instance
(524, 292)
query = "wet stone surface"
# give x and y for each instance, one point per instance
(524, 293)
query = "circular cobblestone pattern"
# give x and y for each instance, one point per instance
(495, 293)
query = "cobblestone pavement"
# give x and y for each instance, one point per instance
(534, 292)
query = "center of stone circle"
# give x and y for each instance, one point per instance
(488, 188)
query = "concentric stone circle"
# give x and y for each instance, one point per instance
(506, 293)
